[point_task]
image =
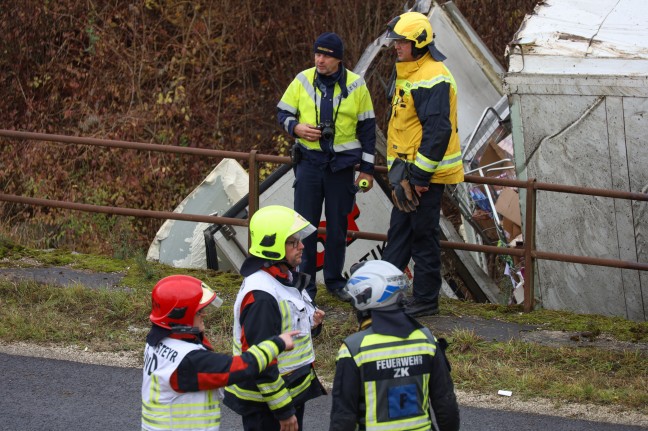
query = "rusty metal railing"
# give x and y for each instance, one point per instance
(529, 252)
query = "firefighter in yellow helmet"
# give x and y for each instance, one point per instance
(182, 374)
(393, 370)
(423, 155)
(273, 299)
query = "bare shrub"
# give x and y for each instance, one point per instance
(198, 73)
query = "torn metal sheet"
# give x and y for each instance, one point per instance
(180, 243)
(603, 37)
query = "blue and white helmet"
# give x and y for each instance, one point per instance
(376, 284)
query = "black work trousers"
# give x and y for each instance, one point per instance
(265, 420)
(416, 236)
(316, 186)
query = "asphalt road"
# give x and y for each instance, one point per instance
(52, 395)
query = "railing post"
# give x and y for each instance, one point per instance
(253, 195)
(529, 246)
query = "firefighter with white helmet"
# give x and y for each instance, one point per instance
(423, 155)
(182, 374)
(273, 298)
(393, 373)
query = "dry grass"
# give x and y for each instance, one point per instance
(568, 374)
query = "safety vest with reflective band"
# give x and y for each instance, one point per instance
(395, 375)
(405, 132)
(165, 409)
(301, 98)
(296, 313)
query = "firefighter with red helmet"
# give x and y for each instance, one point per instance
(182, 374)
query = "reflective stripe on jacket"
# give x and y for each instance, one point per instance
(296, 311)
(394, 374)
(165, 409)
(423, 122)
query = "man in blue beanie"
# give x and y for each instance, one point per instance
(328, 110)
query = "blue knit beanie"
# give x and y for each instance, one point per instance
(329, 44)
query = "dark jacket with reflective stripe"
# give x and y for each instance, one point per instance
(205, 369)
(261, 319)
(349, 397)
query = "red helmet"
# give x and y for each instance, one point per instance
(176, 300)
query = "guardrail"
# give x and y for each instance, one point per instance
(529, 252)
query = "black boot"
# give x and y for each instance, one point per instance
(418, 307)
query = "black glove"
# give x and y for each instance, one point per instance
(403, 194)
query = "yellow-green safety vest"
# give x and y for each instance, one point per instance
(165, 409)
(300, 98)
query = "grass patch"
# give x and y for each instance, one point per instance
(38, 313)
(116, 319)
(562, 374)
(554, 320)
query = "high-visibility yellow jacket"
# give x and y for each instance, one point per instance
(423, 122)
(355, 135)
(292, 380)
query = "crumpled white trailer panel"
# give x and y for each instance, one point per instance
(577, 84)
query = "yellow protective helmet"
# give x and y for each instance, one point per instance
(412, 26)
(271, 226)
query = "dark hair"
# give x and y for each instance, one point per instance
(418, 52)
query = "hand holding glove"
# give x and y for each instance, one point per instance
(404, 196)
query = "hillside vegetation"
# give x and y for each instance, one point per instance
(195, 73)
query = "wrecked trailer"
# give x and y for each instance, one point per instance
(577, 85)
(476, 72)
